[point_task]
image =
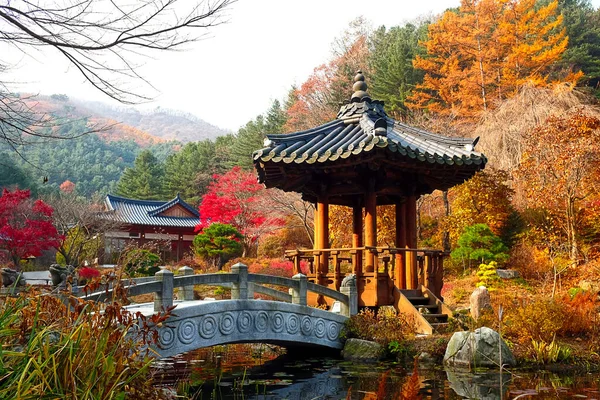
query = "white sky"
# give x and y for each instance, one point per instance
(235, 74)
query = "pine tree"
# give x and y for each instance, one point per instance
(252, 135)
(185, 170)
(144, 181)
(582, 23)
(390, 60)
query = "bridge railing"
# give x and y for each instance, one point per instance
(243, 286)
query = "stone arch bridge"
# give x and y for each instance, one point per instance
(287, 321)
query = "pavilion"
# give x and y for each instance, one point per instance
(364, 159)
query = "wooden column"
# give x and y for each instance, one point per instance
(323, 237)
(400, 262)
(370, 229)
(357, 238)
(315, 268)
(411, 242)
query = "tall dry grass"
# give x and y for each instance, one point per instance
(65, 348)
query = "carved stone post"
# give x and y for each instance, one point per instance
(164, 297)
(349, 289)
(187, 292)
(239, 289)
(299, 295)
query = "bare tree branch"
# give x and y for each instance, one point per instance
(102, 40)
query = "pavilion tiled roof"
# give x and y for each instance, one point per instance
(363, 134)
(148, 212)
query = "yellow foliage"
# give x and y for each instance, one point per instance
(484, 52)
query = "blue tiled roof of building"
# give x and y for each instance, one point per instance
(148, 212)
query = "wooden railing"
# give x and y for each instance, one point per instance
(243, 286)
(407, 268)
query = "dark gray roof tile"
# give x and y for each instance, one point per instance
(148, 212)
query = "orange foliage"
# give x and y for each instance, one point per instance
(410, 389)
(67, 186)
(340, 226)
(559, 171)
(485, 52)
(483, 199)
(543, 319)
(115, 131)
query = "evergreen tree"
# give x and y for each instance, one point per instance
(187, 171)
(11, 176)
(582, 23)
(144, 181)
(251, 137)
(390, 60)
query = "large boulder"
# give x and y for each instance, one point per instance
(362, 350)
(480, 348)
(480, 301)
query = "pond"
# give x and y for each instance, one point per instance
(262, 372)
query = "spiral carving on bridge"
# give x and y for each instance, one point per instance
(208, 327)
(239, 325)
(320, 328)
(292, 325)
(186, 332)
(278, 322)
(167, 337)
(227, 324)
(306, 325)
(261, 323)
(244, 322)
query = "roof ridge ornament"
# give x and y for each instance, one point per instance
(360, 88)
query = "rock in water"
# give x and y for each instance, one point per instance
(480, 301)
(362, 350)
(478, 349)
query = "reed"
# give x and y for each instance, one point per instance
(62, 347)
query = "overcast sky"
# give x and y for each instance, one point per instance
(232, 76)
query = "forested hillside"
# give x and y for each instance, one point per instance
(98, 150)
(163, 123)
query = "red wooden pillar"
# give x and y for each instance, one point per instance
(323, 238)
(400, 261)
(316, 258)
(370, 229)
(357, 238)
(411, 242)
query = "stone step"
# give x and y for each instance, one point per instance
(418, 300)
(412, 292)
(430, 307)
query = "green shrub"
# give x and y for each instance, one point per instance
(141, 262)
(479, 243)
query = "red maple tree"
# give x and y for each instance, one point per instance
(26, 227)
(236, 198)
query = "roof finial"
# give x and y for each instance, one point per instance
(360, 88)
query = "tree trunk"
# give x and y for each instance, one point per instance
(571, 231)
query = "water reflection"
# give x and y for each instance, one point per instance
(255, 372)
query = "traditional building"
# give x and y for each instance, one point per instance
(364, 159)
(170, 223)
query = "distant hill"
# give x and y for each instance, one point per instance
(95, 162)
(163, 123)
